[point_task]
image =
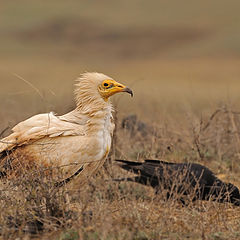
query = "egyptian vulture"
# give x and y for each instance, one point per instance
(76, 143)
(178, 180)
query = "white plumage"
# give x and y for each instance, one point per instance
(78, 139)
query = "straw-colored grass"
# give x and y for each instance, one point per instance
(104, 209)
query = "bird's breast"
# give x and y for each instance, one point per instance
(104, 143)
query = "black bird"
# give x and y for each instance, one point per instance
(180, 180)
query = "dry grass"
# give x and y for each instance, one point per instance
(31, 206)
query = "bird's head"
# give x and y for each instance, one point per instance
(97, 84)
(109, 87)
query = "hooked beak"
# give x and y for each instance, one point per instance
(128, 90)
(115, 88)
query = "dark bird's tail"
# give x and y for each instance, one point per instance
(129, 166)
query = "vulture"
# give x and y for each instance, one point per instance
(76, 143)
(181, 180)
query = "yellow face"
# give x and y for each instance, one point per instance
(109, 87)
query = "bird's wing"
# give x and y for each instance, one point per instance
(40, 126)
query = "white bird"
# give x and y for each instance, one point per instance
(76, 143)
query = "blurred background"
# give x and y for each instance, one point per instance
(177, 56)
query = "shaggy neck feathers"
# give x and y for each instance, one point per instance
(89, 101)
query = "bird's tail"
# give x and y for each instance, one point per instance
(154, 162)
(130, 163)
(129, 166)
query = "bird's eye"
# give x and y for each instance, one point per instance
(105, 84)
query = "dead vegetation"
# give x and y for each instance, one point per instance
(173, 57)
(32, 206)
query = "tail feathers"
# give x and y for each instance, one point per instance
(148, 167)
(158, 162)
(128, 162)
(146, 161)
(130, 166)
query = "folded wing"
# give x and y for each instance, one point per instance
(38, 127)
